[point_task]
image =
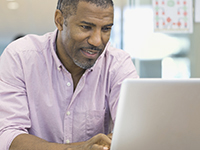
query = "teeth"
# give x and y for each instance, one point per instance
(90, 52)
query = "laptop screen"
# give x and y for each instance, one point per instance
(158, 114)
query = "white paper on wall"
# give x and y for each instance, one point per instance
(197, 10)
(173, 16)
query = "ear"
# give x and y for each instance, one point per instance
(59, 19)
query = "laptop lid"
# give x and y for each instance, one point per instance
(158, 114)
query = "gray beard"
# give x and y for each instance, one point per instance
(83, 65)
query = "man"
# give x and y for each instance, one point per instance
(60, 91)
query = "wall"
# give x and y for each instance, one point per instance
(194, 54)
(32, 16)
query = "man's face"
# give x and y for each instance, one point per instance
(85, 34)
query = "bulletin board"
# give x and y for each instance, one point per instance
(173, 16)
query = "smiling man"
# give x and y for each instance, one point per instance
(83, 35)
(60, 91)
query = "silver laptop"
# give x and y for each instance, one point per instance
(158, 114)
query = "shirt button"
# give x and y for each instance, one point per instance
(68, 113)
(67, 141)
(68, 84)
(59, 68)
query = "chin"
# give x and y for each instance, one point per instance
(85, 65)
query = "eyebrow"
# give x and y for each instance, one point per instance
(92, 24)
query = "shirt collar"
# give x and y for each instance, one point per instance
(53, 49)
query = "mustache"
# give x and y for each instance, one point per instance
(93, 48)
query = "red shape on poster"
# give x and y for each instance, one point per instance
(186, 24)
(169, 19)
(179, 24)
(157, 24)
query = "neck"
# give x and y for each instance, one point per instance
(76, 71)
(70, 66)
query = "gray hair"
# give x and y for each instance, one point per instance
(69, 7)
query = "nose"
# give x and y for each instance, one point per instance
(95, 38)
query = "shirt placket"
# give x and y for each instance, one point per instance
(68, 127)
(68, 121)
(68, 117)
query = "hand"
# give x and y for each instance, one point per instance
(110, 136)
(31, 142)
(98, 142)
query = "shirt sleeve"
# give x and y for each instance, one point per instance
(14, 112)
(123, 68)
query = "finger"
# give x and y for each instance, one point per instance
(105, 148)
(99, 147)
(102, 139)
(110, 135)
(98, 142)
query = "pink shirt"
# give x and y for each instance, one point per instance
(36, 92)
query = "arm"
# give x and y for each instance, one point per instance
(122, 69)
(15, 118)
(30, 142)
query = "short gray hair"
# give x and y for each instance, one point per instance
(69, 7)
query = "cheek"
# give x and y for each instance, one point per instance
(77, 34)
(71, 39)
(77, 41)
(105, 38)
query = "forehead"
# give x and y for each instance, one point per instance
(90, 12)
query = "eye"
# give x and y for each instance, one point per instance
(86, 27)
(106, 29)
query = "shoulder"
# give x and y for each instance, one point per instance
(30, 44)
(114, 60)
(116, 55)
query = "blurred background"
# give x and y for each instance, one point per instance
(155, 54)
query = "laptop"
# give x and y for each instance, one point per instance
(158, 114)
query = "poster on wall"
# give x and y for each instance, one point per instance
(173, 16)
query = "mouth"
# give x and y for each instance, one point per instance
(91, 54)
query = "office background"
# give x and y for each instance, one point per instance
(165, 55)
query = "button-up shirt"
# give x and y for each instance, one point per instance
(37, 95)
